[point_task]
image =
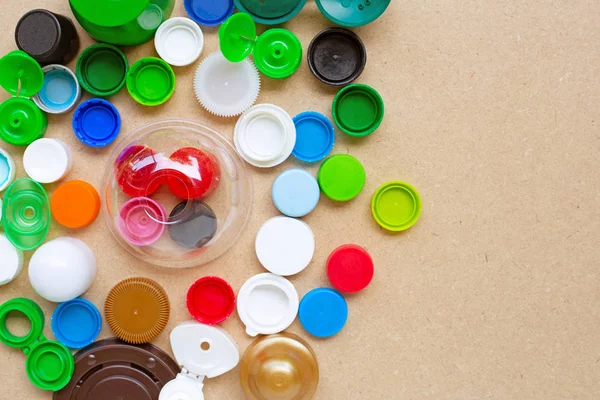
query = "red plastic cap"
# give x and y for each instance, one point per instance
(210, 300)
(199, 173)
(350, 268)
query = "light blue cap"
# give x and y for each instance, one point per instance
(323, 312)
(60, 92)
(296, 192)
(76, 323)
(315, 136)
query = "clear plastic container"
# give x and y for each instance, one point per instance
(176, 194)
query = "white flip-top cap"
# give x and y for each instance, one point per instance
(265, 135)
(11, 260)
(47, 160)
(179, 41)
(267, 304)
(285, 246)
(202, 351)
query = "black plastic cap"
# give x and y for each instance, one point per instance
(337, 56)
(193, 224)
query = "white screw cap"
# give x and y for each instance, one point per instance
(179, 41)
(47, 160)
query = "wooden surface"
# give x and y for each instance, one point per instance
(492, 113)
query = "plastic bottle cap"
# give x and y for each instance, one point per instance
(102, 69)
(270, 12)
(226, 89)
(151, 81)
(137, 310)
(209, 13)
(337, 56)
(210, 300)
(142, 221)
(350, 268)
(192, 224)
(341, 177)
(26, 214)
(191, 173)
(61, 91)
(267, 304)
(323, 312)
(282, 366)
(133, 170)
(11, 263)
(353, 16)
(295, 193)
(285, 246)
(7, 170)
(179, 41)
(62, 269)
(75, 204)
(396, 206)
(358, 110)
(110, 13)
(47, 160)
(49, 364)
(20, 75)
(96, 123)
(315, 136)
(21, 121)
(265, 135)
(76, 323)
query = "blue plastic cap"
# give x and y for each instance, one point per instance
(315, 136)
(295, 193)
(76, 323)
(209, 13)
(96, 123)
(323, 312)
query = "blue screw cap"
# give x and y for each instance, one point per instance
(60, 92)
(295, 192)
(209, 13)
(323, 312)
(96, 123)
(76, 323)
(315, 136)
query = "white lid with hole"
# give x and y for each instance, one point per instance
(265, 135)
(267, 304)
(179, 41)
(202, 351)
(285, 246)
(47, 160)
(11, 260)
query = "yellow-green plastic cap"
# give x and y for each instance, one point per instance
(396, 206)
(341, 177)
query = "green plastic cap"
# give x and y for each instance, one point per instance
(26, 214)
(109, 13)
(21, 121)
(237, 37)
(270, 12)
(358, 110)
(396, 206)
(102, 70)
(341, 177)
(278, 53)
(151, 81)
(18, 68)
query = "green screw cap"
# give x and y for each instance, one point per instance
(26, 214)
(358, 110)
(151, 81)
(341, 177)
(270, 12)
(49, 364)
(20, 75)
(396, 206)
(21, 121)
(102, 70)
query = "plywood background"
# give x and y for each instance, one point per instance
(492, 113)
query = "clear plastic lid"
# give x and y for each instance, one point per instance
(172, 180)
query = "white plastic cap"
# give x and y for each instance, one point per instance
(285, 246)
(265, 135)
(11, 260)
(179, 41)
(62, 269)
(7, 169)
(267, 304)
(47, 160)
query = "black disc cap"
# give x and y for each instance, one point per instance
(337, 56)
(192, 224)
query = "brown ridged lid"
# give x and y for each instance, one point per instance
(137, 310)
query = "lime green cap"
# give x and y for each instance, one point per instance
(341, 177)
(358, 110)
(396, 206)
(21, 121)
(237, 37)
(49, 364)
(20, 74)
(151, 81)
(109, 13)
(102, 69)
(26, 214)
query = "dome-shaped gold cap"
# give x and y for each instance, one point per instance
(279, 367)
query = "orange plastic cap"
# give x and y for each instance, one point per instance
(75, 204)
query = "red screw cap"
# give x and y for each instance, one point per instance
(210, 300)
(350, 268)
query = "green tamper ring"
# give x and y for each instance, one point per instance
(49, 364)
